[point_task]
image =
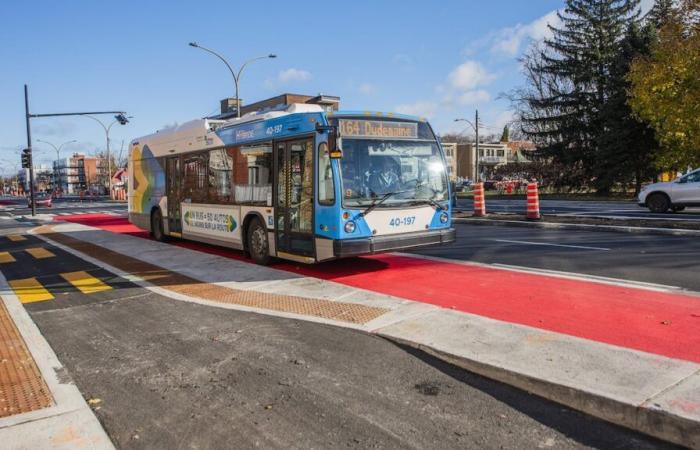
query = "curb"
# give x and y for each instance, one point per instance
(69, 422)
(579, 226)
(652, 421)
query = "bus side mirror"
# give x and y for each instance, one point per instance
(335, 150)
(334, 144)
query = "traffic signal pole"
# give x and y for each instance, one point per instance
(29, 147)
(120, 117)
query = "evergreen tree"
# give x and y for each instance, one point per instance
(505, 137)
(661, 13)
(628, 145)
(566, 104)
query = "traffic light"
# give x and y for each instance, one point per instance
(122, 119)
(26, 158)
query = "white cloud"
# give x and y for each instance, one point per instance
(464, 88)
(420, 108)
(474, 97)
(291, 75)
(367, 89)
(509, 41)
(288, 76)
(469, 75)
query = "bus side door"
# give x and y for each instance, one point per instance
(174, 193)
(294, 197)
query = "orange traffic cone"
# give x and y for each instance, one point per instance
(533, 202)
(479, 200)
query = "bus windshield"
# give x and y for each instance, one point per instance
(405, 172)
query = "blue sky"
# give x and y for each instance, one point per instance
(436, 59)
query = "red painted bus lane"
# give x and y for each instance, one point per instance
(655, 322)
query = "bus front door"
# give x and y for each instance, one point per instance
(294, 203)
(173, 192)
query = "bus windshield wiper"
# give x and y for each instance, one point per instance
(377, 202)
(431, 202)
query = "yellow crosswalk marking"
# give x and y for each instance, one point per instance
(29, 290)
(16, 237)
(86, 283)
(5, 257)
(40, 253)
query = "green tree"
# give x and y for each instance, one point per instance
(665, 88)
(565, 105)
(660, 13)
(505, 137)
(628, 145)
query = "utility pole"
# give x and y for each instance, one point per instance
(476, 130)
(475, 127)
(29, 147)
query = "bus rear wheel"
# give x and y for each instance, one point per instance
(157, 226)
(258, 246)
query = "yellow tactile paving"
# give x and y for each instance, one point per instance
(22, 389)
(29, 290)
(86, 283)
(40, 253)
(16, 237)
(181, 284)
(6, 257)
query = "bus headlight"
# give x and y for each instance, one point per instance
(350, 227)
(444, 217)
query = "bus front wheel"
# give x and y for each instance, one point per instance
(258, 246)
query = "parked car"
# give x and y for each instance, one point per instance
(40, 199)
(674, 195)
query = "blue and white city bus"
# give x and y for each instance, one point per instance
(297, 183)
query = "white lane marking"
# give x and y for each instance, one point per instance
(584, 247)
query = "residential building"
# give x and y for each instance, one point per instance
(491, 156)
(42, 178)
(80, 173)
(466, 162)
(228, 105)
(450, 149)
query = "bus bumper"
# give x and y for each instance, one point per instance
(381, 244)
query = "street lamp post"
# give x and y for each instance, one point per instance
(236, 76)
(58, 155)
(122, 120)
(475, 126)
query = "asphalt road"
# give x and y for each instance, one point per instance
(622, 210)
(667, 260)
(169, 374)
(63, 206)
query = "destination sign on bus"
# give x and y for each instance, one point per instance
(378, 129)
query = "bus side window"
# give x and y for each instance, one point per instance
(252, 173)
(195, 179)
(220, 175)
(326, 190)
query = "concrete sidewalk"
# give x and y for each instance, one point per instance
(646, 392)
(40, 407)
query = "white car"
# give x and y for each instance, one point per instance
(673, 195)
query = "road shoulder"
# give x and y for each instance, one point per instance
(68, 423)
